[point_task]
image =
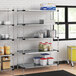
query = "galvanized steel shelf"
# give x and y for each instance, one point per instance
(24, 38)
(6, 24)
(33, 51)
(32, 65)
(5, 55)
(20, 10)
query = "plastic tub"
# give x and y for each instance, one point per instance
(50, 60)
(45, 55)
(36, 60)
(7, 50)
(47, 6)
(43, 61)
(1, 50)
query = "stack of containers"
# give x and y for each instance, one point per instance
(47, 6)
(4, 50)
(36, 60)
(44, 47)
(44, 60)
(4, 61)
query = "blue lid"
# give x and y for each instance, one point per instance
(37, 57)
(45, 54)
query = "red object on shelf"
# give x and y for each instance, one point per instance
(50, 58)
(50, 43)
(43, 58)
(46, 42)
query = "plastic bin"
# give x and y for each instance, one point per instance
(71, 54)
(50, 60)
(36, 60)
(47, 6)
(45, 55)
(43, 61)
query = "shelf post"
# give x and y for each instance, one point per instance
(58, 33)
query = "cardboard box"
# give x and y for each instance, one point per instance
(5, 65)
(5, 58)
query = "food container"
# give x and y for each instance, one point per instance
(5, 58)
(50, 47)
(47, 6)
(45, 47)
(45, 55)
(1, 50)
(43, 61)
(40, 46)
(50, 60)
(5, 65)
(7, 50)
(36, 60)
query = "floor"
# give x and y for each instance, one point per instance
(37, 70)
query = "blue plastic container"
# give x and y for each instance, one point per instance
(48, 8)
(45, 55)
(36, 60)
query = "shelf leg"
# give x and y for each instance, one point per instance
(23, 63)
(13, 65)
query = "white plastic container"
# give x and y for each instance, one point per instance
(50, 60)
(7, 22)
(47, 6)
(45, 55)
(36, 60)
(43, 61)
